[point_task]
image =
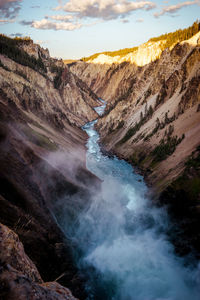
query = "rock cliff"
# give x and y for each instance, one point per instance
(152, 118)
(145, 103)
(144, 54)
(42, 158)
(19, 277)
(33, 91)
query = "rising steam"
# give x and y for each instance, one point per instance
(123, 246)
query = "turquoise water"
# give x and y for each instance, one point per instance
(125, 253)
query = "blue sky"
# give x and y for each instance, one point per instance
(77, 28)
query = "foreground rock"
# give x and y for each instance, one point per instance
(19, 277)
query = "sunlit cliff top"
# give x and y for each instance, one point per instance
(149, 51)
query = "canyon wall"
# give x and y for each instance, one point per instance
(148, 104)
(152, 120)
(42, 158)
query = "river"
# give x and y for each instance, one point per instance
(125, 251)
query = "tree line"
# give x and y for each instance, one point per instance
(178, 35)
(121, 52)
(10, 48)
(170, 38)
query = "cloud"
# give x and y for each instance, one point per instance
(174, 8)
(25, 23)
(46, 24)
(16, 34)
(35, 6)
(125, 21)
(140, 20)
(3, 22)
(9, 8)
(41, 42)
(104, 9)
(61, 17)
(57, 22)
(99, 10)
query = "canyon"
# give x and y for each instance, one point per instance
(162, 92)
(152, 120)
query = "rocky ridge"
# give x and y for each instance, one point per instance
(145, 54)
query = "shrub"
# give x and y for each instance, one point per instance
(166, 147)
(132, 131)
(120, 125)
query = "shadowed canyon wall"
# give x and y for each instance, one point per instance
(42, 158)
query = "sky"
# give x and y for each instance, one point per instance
(76, 28)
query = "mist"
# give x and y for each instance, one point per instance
(124, 250)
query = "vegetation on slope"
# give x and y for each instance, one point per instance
(143, 119)
(166, 147)
(182, 198)
(10, 48)
(39, 139)
(171, 39)
(121, 52)
(178, 35)
(69, 61)
(58, 78)
(161, 125)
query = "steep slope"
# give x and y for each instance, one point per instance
(152, 119)
(161, 104)
(144, 102)
(146, 52)
(19, 276)
(34, 89)
(42, 158)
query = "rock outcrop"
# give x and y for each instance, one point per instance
(19, 277)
